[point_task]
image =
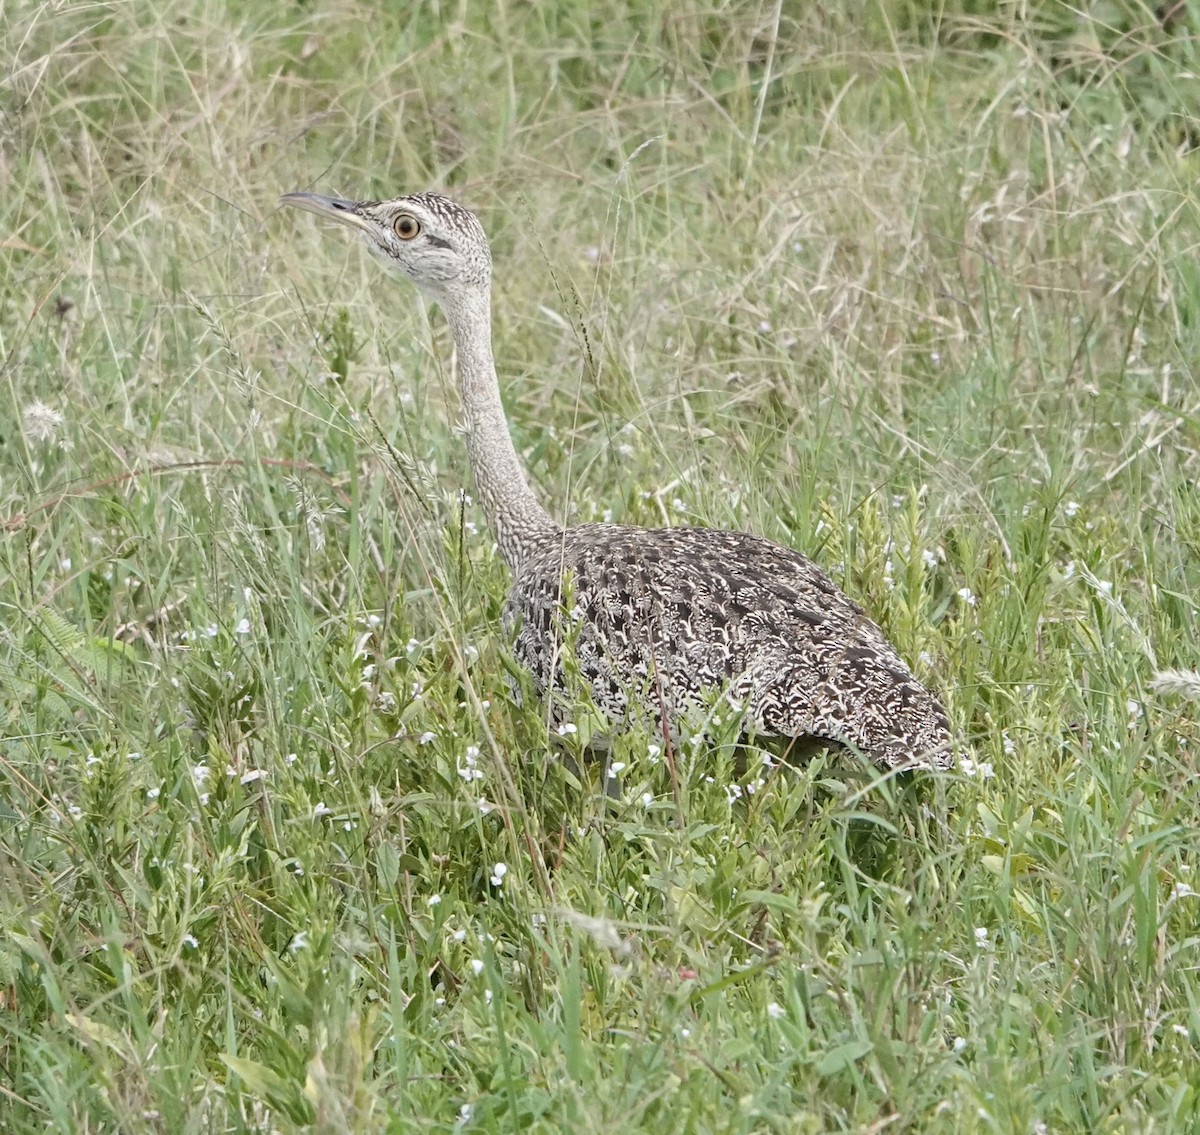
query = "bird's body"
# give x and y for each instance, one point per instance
(658, 620)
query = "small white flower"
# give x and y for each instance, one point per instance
(615, 769)
(929, 559)
(426, 737)
(412, 646)
(1010, 746)
(967, 596)
(299, 941)
(468, 770)
(647, 799)
(1070, 509)
(485, 806)
(190, 941)
(459, 935)
(960, 1044)
(498, 873)
(290, 759)
(464, 1115)
(653, 752)
(253, 775)
(41, 422)
(733, 792)
(243, 627)
(133, 756)
(322, 810)
(1181, 1030)
(433, 900)
(567, 728)
(775, 1010)
(153, 793)
(1181, 891)
(476, 966)
(982, 937)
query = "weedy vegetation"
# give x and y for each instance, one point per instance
(911, 287)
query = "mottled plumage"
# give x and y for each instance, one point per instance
(663, 617)
(658, 619)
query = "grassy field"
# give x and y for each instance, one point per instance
(914, 291)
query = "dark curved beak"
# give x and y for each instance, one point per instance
(336, 208)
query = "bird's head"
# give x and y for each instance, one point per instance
(425, 238)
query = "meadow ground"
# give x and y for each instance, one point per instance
(914, 291)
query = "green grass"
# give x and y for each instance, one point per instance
(914, 292)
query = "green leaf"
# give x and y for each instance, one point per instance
(840, 1058)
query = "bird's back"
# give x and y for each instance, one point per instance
(660, 618)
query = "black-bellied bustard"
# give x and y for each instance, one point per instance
(659, 618)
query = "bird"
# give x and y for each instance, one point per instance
(660, 620)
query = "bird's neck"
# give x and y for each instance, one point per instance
(517, 519)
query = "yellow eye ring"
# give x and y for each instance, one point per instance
(406, 226)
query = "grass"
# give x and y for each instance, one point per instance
(913, 292)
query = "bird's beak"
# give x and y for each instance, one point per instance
(334, 207)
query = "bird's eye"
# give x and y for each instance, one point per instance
(406, 226)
